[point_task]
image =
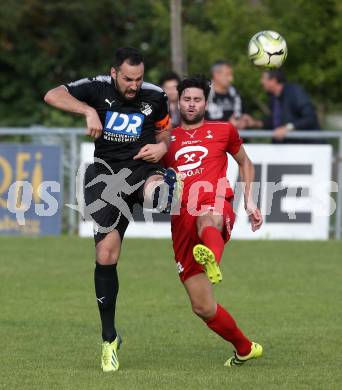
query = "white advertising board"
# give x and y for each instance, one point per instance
(293, 187)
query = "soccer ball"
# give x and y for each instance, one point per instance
(267, 49)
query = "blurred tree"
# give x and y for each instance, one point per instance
(46, 42)
(312, 30)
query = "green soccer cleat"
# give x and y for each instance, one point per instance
(109, 357)
(238, 360)
(205, 256)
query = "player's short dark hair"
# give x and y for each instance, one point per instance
(169, 76)
(129, 54)
(219, 63)
(195, 81)
(277, 74)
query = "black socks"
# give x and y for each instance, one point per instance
(106, 287)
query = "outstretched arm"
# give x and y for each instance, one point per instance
(247, 175)
(60, 98)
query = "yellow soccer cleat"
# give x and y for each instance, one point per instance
(238, 360)
(109, 357)
(205, 256)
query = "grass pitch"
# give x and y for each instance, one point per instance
(285, 295)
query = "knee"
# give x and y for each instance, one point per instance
(204, 311)
(107, 256)
(207, 221)
(202, 223)
(218, 224)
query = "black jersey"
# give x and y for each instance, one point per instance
(222, 106)
(127, 124)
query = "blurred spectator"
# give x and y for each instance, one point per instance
(290, 109)
(169, 83)
(224, 102)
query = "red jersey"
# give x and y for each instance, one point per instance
(200, 156)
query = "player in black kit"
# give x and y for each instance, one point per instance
(130, 123)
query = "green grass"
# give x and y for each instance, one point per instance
(285, 295)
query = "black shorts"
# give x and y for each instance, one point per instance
(111, 196)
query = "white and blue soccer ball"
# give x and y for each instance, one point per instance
(267, 49)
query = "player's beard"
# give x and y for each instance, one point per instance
(130, 97)
(196, 119)
(123, 94)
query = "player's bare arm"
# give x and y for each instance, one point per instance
(247, 175)
(155, 152)
(60, 98)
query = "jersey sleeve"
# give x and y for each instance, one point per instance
(162, 118)
(234, 140)
(83, 89)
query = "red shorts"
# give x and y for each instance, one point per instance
(185, 237)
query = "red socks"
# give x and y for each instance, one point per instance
(212, 238)
(224, 325)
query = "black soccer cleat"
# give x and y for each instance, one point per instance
(171, 192)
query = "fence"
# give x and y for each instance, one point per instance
(70, 139)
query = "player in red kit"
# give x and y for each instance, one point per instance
(203, 224)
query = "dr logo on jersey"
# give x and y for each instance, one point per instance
(126, 124)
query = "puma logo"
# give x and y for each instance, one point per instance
(109, 102)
